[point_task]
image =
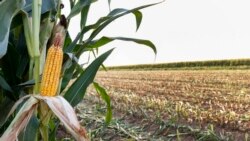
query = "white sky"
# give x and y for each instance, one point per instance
(182, 30)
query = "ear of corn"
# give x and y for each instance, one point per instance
(53, 63)
(52, 70)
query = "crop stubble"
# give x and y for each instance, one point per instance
(219, 97)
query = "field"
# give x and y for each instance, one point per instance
(171, 105)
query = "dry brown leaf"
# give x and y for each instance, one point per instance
(21, 120)
(58, 105)
(64, 111)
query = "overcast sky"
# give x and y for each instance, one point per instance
(182, 30)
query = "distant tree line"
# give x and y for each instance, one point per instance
(211, 64)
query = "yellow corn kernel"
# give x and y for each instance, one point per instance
(52, 70)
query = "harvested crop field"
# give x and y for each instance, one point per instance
(177, 104)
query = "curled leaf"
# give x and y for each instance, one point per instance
(58, 105)
(20, 121)
(15, 106)
(63, 110)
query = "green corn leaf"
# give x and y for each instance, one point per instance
(24, 61)
(75, 60)
(109, 2)
(67, 41)
(9, 66)
(24, 57)
(47, 5)
(76, 92)
(79, 6)
(67, 76)
(72, 45)
(116, 12)
(112, 14)
(105, 40)
(5, 107)
(84, 16)
(69, 68)
(27, 83)
(72, 3)
(104, 21)
(4, 85)
(54, 124)
(138, 16)
(8, 9)
(102, 92)
(72, 57)
(30, 132)
(107, 22)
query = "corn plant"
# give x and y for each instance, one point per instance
(38, 59)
